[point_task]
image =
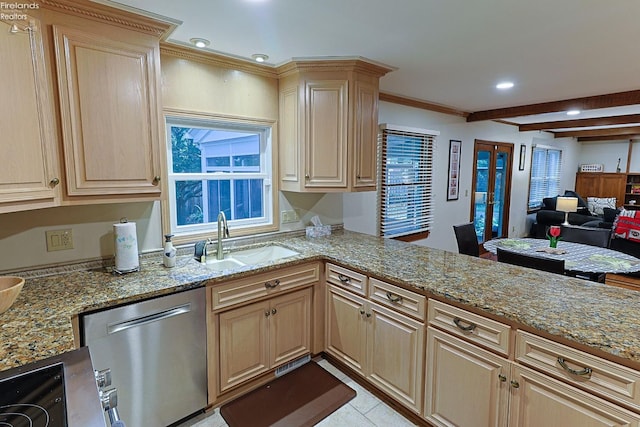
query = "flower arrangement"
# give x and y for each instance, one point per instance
(554, 235)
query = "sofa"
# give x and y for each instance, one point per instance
(548, 216)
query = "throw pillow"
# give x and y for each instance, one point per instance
(627, 225)
(596, 205)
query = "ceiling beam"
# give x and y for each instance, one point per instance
(416, 103)
(623, 133)
(599, 121)
(586, 103)
(608, 138)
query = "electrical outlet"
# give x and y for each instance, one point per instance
(59, 240)
(289, 216)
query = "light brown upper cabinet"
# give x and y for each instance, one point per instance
(108, 87)
(328, 125)
(29, 173)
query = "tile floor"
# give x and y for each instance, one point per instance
(364, 410)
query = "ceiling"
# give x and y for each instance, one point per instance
(450, 54)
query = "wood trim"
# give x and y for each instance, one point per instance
(621, 132)
(111, 15)
(629, 152)
(356, 64)
(623, 281)
(217, 60)
(412, 237)
(585, 103)
(424, 105)
(600, 121)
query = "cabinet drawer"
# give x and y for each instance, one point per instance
(261, 285)
(348, 279)
(609, 379)
(480, 330)
(402, 300)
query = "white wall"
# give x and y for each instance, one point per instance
(608, 153)
(359, 210)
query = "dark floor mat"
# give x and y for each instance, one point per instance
(299, 398)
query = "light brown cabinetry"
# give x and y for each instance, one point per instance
(258, 323)
(263, 335)
(29, 174)
(328, 125)
(593, 184)
(540, 400)
(376, 339)
(108, 89)
(547, 384)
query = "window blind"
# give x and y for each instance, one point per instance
(546, 167)
(405, 180)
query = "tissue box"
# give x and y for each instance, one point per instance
(318, 231)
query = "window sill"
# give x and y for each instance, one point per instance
(412, 237)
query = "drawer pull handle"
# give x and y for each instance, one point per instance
(459, 324)
(394, 298)
(344, 279)
(585, 372)
(502, 378)
(270, 285)
(515, 384)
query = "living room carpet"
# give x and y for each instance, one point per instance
(302, 397)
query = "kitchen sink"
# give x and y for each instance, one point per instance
(262, 254)
(251, 256)
(228, 263)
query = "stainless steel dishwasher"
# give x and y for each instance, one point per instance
(156, 350)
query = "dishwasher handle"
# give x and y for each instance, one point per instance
(139, 321)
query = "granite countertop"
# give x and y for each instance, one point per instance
(606, 318)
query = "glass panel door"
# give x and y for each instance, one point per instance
(491, 189)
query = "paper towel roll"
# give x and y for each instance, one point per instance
(126, 247)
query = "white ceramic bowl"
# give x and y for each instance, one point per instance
(10, 287)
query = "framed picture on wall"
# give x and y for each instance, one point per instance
(453, 178)
(523, 154)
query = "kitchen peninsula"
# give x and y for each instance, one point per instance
(588, 316)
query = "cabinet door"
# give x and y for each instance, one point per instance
(365, 136)
(290, 327)
(346, 328)
(110, 116)
(29, 173)
(396, 348)
(326, 133)
(244, 343)
(465, 385)
(539, 400)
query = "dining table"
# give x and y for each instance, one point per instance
(576, 256)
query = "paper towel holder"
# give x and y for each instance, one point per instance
(121, 271)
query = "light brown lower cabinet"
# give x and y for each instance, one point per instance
(469, 386)
(260, 336)
(382, 345)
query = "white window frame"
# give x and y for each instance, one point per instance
(550, 178)
(238, 227)
(419, 216)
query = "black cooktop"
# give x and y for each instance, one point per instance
(34, 399)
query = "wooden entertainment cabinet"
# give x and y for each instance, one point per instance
(618, 185)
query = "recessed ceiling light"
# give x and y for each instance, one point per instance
(573, 112)
(197, 42)
(259, 57)
(504, 85)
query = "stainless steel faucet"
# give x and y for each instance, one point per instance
(223, 231)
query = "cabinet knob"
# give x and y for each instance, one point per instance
(362, 310)
(368, 314)
(156, 179)
(54, 182)
(274, 311)
(307, 176)
(502, 378)
(267, 313)
(515, 384)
